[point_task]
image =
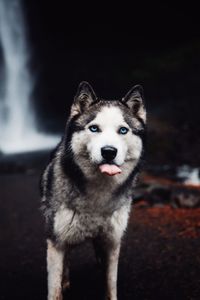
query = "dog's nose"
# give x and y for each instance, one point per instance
(108, 153)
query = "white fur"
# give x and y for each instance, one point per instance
(55, 260)
(73, 228)
(113, 259)
(118, 223)
(109, 120)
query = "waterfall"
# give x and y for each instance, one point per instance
(18, 130)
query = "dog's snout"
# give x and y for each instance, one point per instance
(108, 153)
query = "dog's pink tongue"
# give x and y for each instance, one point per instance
(110, 169)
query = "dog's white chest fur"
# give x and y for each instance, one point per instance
(73, 227)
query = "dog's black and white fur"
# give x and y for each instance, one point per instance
(79, 200)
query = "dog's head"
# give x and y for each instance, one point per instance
(107, 135)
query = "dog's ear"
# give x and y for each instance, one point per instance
(134, 99)
(84, 97)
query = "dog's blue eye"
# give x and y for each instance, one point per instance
(94, 128)
(123, 130)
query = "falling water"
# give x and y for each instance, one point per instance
(18, 131)
(189, 175)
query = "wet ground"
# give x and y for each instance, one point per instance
(160, 257)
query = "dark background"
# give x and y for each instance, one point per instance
(114, 47)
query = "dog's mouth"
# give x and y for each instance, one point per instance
(110, 169)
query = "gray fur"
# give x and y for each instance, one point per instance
(79, 202)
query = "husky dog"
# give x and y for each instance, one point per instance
(87, 185)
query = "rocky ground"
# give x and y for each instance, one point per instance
(161, 189)
(160, 257)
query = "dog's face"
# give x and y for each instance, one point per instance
(107, 135)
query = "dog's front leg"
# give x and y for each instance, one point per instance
(112, 245)
(111, 271)
(55, 260)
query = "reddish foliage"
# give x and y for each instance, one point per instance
(167, 220)
(151, 179)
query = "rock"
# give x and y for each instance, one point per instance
(186, 198)
(159, 196)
